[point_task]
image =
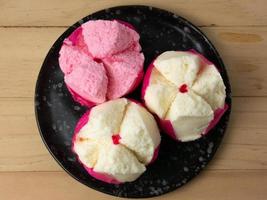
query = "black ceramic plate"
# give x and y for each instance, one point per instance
(57, 113)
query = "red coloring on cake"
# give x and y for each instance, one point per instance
(97, 60)
(183, 88)
(116, 139)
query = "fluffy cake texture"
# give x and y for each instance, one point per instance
(122, 73)
(89, 80)
(116, 140)
(105, 38)
(101, 60)
(186, 92)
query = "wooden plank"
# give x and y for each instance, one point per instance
(235, 156)
(23, 50)
(244, 146)
(219, 185)
(201, 12)
(243, 51)
(25, 153)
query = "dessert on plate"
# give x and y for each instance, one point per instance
(101, 60)
(116, 140)
(186, 92)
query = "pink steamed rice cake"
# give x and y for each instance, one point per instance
(101, 60)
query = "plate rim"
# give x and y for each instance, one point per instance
(133, 6)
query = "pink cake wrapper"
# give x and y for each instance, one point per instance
(155, 155)
(77, 40)
(75, 36)
(146, 79)
(166, 125)
(76, 97)
(218, 113)
(99, 176)
(137, 102)
(217, 116)
(82, 121)
(204, 59)
(102, 177)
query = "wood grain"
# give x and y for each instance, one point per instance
(243, 50)
(26, 51)
(244, 146)
(200, 12)
(209, 185)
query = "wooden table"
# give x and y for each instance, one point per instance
(238, 28)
